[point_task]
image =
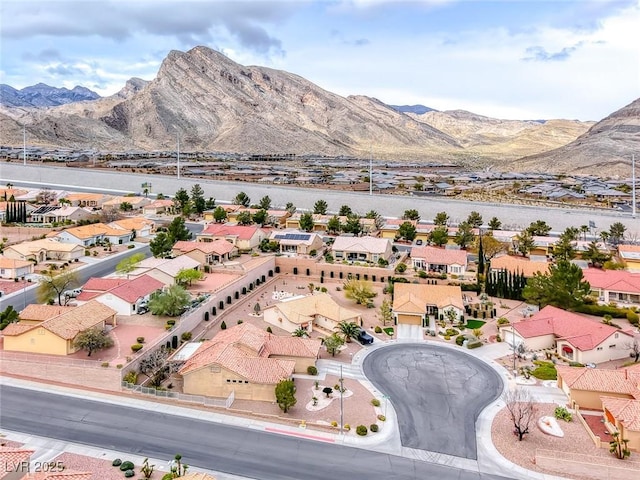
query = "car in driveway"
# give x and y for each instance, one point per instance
(364, 338)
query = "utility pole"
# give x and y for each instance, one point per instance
(633, 185)
(341, 409)
(24, 144)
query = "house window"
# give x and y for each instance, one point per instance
(615, 336)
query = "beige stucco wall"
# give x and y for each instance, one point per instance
(631, 435)
(161, 276)
(214, 384)
(590, 400)
(38, 340)
(276, 318)
(301, 362)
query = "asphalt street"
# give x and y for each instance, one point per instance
(230, 449)
(512, 216)
(437, 394)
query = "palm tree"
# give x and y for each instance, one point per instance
(300, 332)
(348, 330)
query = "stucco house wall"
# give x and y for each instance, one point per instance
(208, 382)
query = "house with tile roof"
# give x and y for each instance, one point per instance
(88, 200)
(43, 250)
(623, 416)
(56, 334)
(63, 475)
(206, 253)
(617, 286)
(14, 462)
(123, 296)
(630, 256)
(12, 268)
(274, 217)
(158, 207)
(439, 260)
(321, 221)
(138, 203)
(318, 311)
(247, 361)
(164, 269)
(572, 336)
(93, 234)
(419, 304)
(143, 227)
(296, 242)
(528, 266)
(244, 237)
(361, 249)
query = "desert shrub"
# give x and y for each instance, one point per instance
(312, 370)
(105, 364)
(186, 336)
(562, 413)
(377, 329)
(130, 377)
(347, 427)
(375, 402)
(129, 473)
(447, 337)
(140, 339)
(452, 332)
(127, 465)
(131, 246)
(473, 344)
(502, 321)
(361, 430)
(136, 347)
(460, 340)
(576, 364)
(602, 310)
(632, 317)
(498, 338)
(382, 418)
(223, 326)
(373, 427)
(334, 423)
(117, 462)
(239, 322)
(171, 321)
(269, 330)
(119, 365)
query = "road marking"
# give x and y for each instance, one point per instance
(297, 434)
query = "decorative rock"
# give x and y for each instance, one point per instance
(550, 426)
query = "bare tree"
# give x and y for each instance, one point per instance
(634, 346)
(522, 410)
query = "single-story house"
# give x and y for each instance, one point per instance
(585, 386)
(308, 311)
(206, 253)
(93, 234)
(158, 206)
(12, 268)
(245, 360)
(60, 214)
(320, 222)
(362, 249)
(617, 286)
(164, 269)
(42, 250)
(90, 200)
(143, 227)
(137, 203)
(630, 256)
(295, 242)
(244, 237)
(419, 304)
(516, 264)
(56, 335)
(574, 337)
(623, 416)
(124, 296)
(439, 260)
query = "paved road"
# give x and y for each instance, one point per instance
(229, 449)
(108, 265)
(437, 393)
(516, 216)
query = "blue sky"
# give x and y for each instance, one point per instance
(505, 58)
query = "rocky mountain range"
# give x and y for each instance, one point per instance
(41, 95)
(215, 104)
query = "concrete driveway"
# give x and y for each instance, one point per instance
(437, 393)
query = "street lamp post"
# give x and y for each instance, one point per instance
(341, 409)
(513, 334)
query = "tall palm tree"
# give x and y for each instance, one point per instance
(348, 330)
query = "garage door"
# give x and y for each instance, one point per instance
(410, 319)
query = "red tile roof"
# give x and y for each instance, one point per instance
(581, 332)
(103, 284)
(217, 246)
(137, 288)
(624, 410)
(64, 475)
(41, 313)
(243, 232)
(619, 381)
(11, 458)
(440, 256)
(613, 280)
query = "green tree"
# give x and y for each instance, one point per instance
(265, 203)
(219, 214)
(562, 286)
(7, 316)
(345, 210)
(291, 208)
(320, 207)
(441, 219)
(616, 233)
(306, 222)
(300, 332)
(564, 248)
(197, 198)
(439, 236)
(407, 230)
(474, 219)
(286, 395)
(127, 265)
(464, 235)
(54, 285)
(181, 199)
(188, 275)
(386, 313)
(373, 215)
(595, 256)
(177, 230)
(210, 204)
(539, 228)
(171, 302)
(161, 245)
(495, 224)
(353, 224)
(244, 218)
(333, 343)
(348, 330)
(333, 225)
(242, 199)
(126, 207)
(524, 242)
(261, 217)
(359, 290)
(411, 214)
(92, 340)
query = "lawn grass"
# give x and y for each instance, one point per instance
(473, 324)
(388, 331)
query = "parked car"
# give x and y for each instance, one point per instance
(142, 309)
(364, 338)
